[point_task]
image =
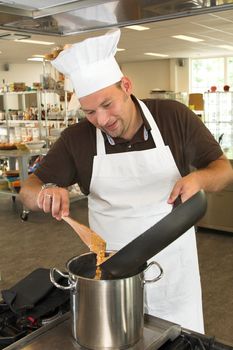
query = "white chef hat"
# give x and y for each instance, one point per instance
(90, 64)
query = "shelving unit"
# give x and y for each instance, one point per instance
(50, 107)
(171, 95)
(13, 106)
(49, 116)
(55, 118)
(218, 116)
(20, 159)
(50, 120)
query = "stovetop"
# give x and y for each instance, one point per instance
(14, 327)
(57, 335)
(157, 334)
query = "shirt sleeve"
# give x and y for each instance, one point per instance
(201, 148)
(190, 141)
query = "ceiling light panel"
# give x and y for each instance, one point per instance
(187, 38)
(137, 27)
(41, 56)
(35, 59)
(28, 41)
(227, 47)
(155, 54)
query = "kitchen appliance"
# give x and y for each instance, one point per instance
(106, 313)
(65, 17)
(157, 334)
(14, 327)
(29, 304)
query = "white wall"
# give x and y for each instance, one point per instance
(179, 75)
(148, 75)
(26, 73)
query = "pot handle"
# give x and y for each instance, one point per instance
(157, 277)
(56, 284)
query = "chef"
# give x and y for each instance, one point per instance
(132, 159)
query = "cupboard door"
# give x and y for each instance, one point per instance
(219, 213)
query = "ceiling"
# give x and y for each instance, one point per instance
(214, 28)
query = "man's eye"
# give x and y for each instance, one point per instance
(106, 105)
(89, 112)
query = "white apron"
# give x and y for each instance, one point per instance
(128, 194)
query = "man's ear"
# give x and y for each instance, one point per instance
(126, 85)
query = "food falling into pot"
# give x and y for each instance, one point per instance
(95, 243)
(98, 246)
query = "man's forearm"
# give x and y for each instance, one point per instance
(30, 189)
(216, 176)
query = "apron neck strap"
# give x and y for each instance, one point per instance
(100, 146)
(156, 135)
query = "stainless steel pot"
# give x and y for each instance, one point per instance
(106, 313)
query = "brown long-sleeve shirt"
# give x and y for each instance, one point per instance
(70, 160)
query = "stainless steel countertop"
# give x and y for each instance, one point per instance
(57, 336)
(16, 153)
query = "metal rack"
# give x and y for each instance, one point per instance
(19, 101)
(21, 158)
(44, 121)
(218, 116)
(171, 95)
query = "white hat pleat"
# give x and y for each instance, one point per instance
(91, 64)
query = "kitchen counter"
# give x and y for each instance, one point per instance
(22, 157)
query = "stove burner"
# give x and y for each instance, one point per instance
(50, 317)
(10, 328)
(14, 327)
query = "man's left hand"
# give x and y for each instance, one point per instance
(185, 187)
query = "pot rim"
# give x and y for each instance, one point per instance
(74, 276)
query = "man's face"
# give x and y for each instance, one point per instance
(110, 109)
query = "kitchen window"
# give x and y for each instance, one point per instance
(207, 72)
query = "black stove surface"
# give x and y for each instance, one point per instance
(14, 327)
(164, 335)
(194, 341)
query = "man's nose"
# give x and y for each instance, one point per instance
(102, 117)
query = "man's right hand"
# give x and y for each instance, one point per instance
(54, 200)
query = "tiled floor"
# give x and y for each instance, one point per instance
(44, 242)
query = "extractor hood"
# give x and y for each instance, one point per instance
(60, 17)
